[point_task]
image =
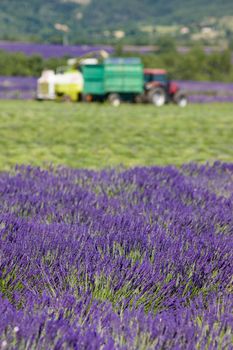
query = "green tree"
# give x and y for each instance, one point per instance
(166, 44)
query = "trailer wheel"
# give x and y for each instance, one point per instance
(157, 97)
(65, 98)
(86, 98)
(114, 99)
(180, 98)
(139, 99)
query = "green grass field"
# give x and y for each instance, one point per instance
(97, 136)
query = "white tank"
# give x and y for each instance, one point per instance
(46, 85)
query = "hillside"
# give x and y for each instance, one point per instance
(93, 19)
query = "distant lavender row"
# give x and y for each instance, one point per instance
(209, 99)
(206, 86)
(117, 259)
(18, 87)
(198, 92)
(51, 50)
(205, 92)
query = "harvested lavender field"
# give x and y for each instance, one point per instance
(98, 136)
(117, 259)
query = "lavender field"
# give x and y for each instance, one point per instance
(117, 259)
(198, 92)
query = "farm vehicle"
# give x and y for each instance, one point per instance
(114, 80)
(158, 89)
(66, 85)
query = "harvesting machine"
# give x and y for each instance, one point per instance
(67, 85)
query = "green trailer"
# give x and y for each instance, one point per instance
(116, 80)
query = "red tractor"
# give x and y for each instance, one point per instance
(158, 89)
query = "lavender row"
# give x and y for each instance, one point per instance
(18, 95)
(51, 50)
(206, 86)
(117, 259)
(198, 92)
(18, 87)
(209, 99)
(192, 86)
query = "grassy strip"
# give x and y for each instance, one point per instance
(97, 136)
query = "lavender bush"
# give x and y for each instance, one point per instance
(117, 259)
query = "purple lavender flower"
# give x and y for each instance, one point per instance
(116, 259)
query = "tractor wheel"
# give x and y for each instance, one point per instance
(180, 98)
(114, 100)
(157, 97)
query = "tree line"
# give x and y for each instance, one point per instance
(19, 64)
(194, 65)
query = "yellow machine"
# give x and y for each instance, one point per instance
(69, 86)
(67, 83)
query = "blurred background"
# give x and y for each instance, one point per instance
(193, 40)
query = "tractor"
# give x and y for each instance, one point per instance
(124, 79)
(158, 89)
